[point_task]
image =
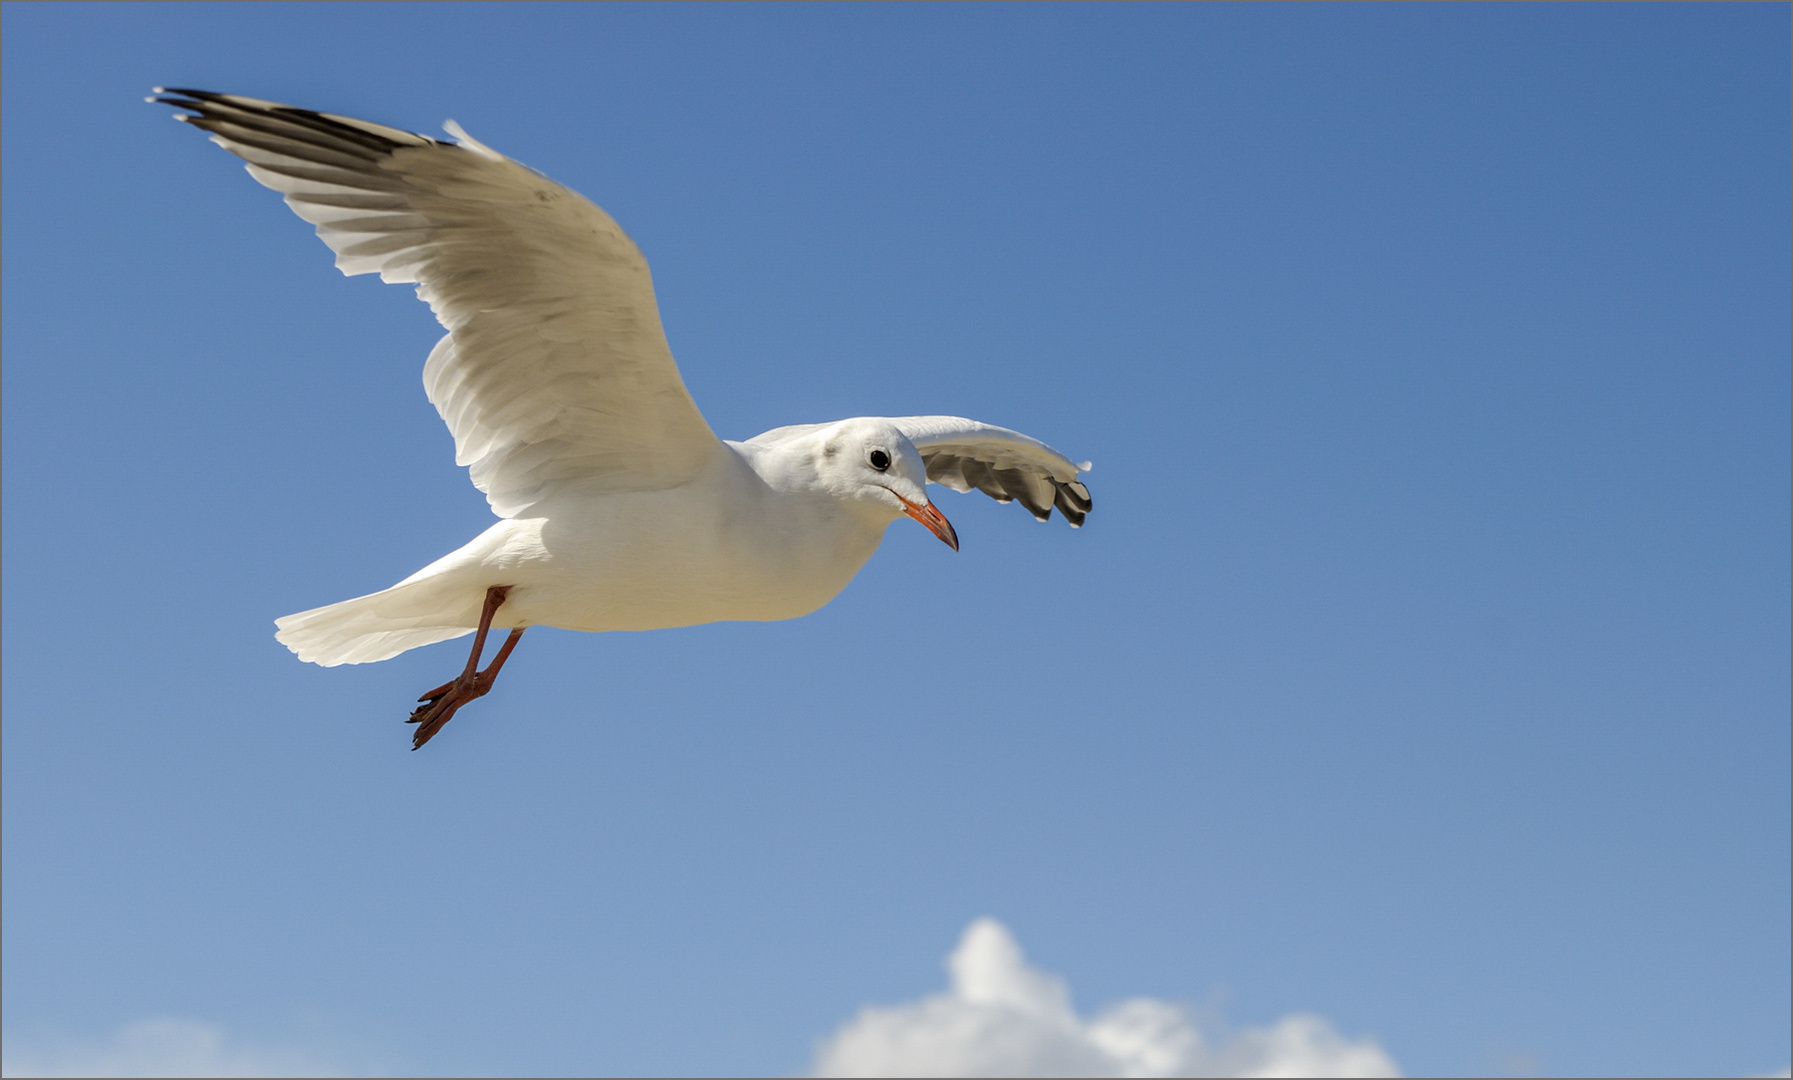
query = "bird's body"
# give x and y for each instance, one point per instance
(733, 543)
(619, 508)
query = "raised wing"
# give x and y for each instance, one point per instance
(1005, 465)
(555, 368)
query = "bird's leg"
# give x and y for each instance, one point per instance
(439, 705)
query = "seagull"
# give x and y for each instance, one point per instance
(618, 507)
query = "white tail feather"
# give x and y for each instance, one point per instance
(375, 627)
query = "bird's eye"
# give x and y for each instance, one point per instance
(880, 460)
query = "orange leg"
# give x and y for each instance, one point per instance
(439, 705)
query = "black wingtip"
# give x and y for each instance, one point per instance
(188, 102)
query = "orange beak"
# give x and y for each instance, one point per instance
(933, 519)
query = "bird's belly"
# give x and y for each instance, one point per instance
(642, 568)
(665, 593)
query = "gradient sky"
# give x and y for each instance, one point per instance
(1424, 664)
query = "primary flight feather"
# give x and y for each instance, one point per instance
(619, 508)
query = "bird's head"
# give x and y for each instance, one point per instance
(871, 464)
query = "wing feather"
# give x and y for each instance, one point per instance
(1006, 465)
(555, 368)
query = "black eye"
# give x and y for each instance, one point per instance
(880, 460)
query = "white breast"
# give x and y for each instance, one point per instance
(726, 546)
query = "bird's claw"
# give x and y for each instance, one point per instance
(439, 705)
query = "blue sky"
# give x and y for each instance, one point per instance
(1424, 665)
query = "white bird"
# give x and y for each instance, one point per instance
(619, 508)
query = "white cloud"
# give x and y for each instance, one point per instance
(1004, 1018)
(158, 1047)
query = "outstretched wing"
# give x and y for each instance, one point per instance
(555, 367)
(1005, 465)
